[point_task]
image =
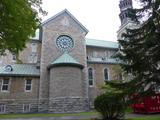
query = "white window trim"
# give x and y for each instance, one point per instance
(26, 84)
(108, 74)
(8, 85)
(93, 77)
(29, 108)
(4, 108)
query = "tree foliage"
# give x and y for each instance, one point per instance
(18, 22)
(111, 104)
(140, 49)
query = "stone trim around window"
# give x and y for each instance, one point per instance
(26, 108)
(90, 77)
(28, 85)
(106, 75)
(5, 86)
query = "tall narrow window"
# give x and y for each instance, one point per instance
(2, 108)
(34, 47)
(33, 58)
(13, 56)
(120, 76)
(90, 76)
(26, 107)
(5, 85)
(28, 85)
(106, 77)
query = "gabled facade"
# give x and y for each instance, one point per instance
(61, 70)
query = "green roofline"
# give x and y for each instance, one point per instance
(65, 60)
(20, 70)
(101, 43)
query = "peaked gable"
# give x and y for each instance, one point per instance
(68, 13)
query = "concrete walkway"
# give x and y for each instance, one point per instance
(81, 117)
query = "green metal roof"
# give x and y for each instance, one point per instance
(20, 70)
(101, 43)
(65, 59)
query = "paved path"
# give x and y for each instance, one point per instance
(81, 117)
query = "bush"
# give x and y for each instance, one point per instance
(110, 106)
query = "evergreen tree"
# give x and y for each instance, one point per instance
(140, 49)
(18, 22)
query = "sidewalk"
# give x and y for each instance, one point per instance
(81, 117)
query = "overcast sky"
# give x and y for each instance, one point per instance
(100, 17)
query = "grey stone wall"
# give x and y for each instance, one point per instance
(17, 89)
(6, 59)
(98, 78)
(16, 96)
(65, 82)
(16, 105)
(24, 55)
(28, 54)
(66, 90)
(68, 105)
(49, 51)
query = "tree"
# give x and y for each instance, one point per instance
(18, 22)
(140, 49)
(111, 104)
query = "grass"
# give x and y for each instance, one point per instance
(151, 117)
(90, 113)
(9, 116)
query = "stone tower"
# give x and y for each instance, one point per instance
(124, 5)
(63, 80)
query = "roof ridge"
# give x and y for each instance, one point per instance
(64, 55)
(63, 11)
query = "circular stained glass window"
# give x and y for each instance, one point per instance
(64, 43)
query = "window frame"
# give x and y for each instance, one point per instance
(28, 84)
(4, 108)
(2, 84)
(92, 79)
(33, 57)
(14, 57)
(29, 108)
(107, 74)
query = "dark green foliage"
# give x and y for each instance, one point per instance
(140, 50)
(111, 104)
(110, 107)
(18, 22)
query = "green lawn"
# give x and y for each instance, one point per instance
(8, 116)
(5, 116)
(151, 117)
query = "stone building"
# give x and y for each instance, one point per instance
(60, 71)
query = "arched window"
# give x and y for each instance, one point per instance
(106, 74)
(90, 76)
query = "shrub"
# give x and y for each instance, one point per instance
(110, 105)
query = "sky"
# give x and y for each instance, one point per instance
(100, 17)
